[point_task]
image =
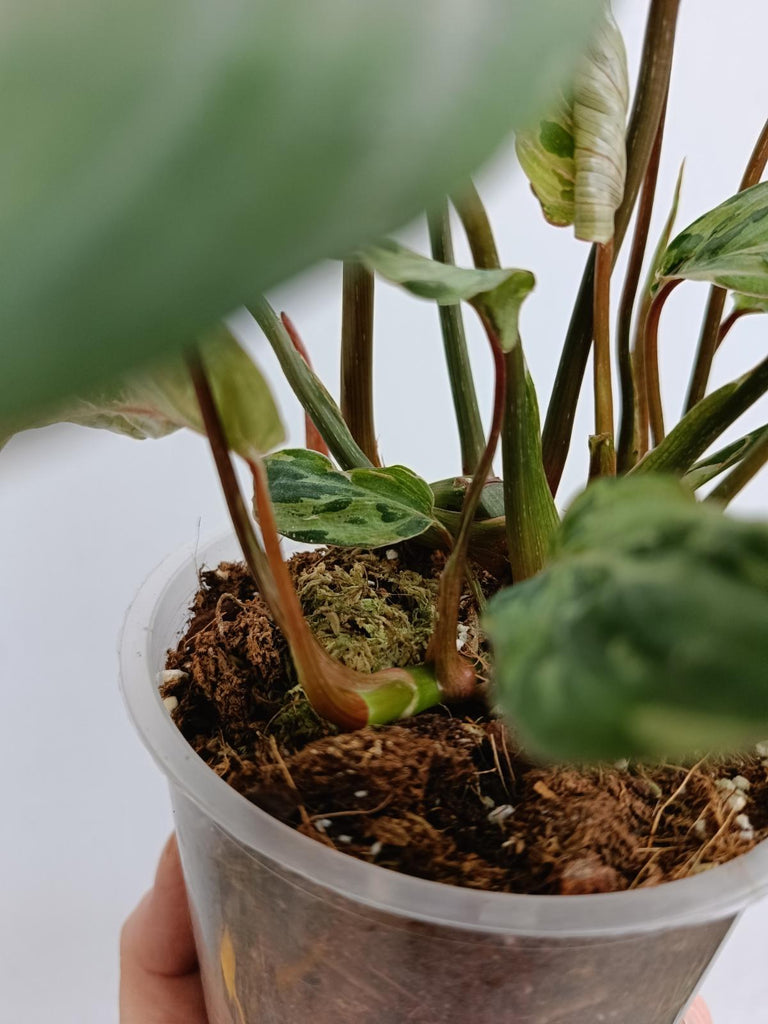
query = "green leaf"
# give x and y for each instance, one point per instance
(663, 242)
(727, 246)
(497, 295)
(317, 504)
(153, 404)
(704, 423)
(450, 494)
(717, 463)
(575, 158)
(163, 162)
(750, 303)
(645, 637)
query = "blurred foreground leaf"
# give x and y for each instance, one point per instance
(645, 636)
(162, 162)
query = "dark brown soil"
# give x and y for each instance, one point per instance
(446, 795)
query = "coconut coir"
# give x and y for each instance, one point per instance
(447, 795)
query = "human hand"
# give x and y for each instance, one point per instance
(159, 975)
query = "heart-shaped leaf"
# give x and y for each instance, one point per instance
(497, 295)
(727, 246)
(150, 405)
(645, 636)
(576, 158)
(368, 508)
(165, 161)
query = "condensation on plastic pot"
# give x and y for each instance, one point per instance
(154, 623)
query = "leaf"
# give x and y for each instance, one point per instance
(704, 423)
(450, 494)
(727, 246)
(547, 157)
(666, 232)
(717, 463)
(153, 404)
(750, 304)
(496, 294)
(576, 158)
(645, 636)
(163, 162)
(317, 504)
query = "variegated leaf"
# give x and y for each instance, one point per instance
(497, 295)
(727, 246)
(368, 508)
(156, 403)
(575, 158)
(546, 154)
(645, 635)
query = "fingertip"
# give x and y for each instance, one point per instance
(698, 1013)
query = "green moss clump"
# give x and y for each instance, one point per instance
(366, 610)
(297, 723)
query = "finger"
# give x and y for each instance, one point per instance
(158, 934)
(159, 981)
(698, 1014)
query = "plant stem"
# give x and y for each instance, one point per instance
(606, 466)
(708, 340)
(477, 226)
(471, 435)
(740, 476)
(253, 554)
(733, 317)
(529, 509)
(629, 444)
(313, 438)
(650, 96)
(314, 398)
(457, 676)
(357, 357)
(530, 513)
(651, 361)
(700, 427)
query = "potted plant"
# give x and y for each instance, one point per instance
(318, 691)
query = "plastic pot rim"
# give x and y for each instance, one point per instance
(720, 892)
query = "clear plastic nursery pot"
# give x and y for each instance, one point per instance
(288, 930)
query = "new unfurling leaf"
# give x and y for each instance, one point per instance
(317, 504)
(575, 158)
(645, 636)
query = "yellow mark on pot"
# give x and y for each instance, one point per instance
(228, 970)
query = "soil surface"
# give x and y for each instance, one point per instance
(447, 795)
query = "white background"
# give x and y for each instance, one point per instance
(87, 515)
